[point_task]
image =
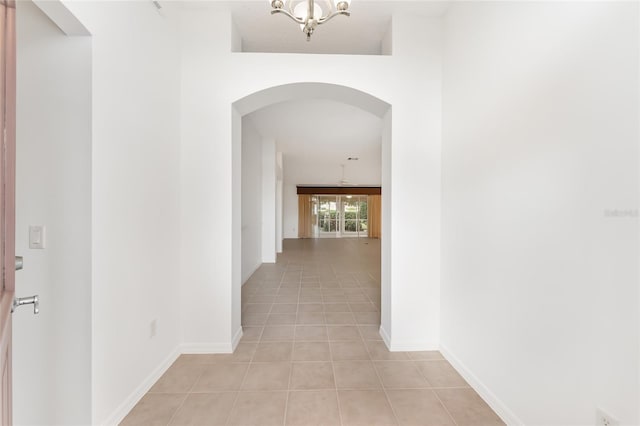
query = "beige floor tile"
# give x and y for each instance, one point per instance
(220, 377)
(418, 407)
(278, 332)
(360, 298)
(441, 374)
(311, 299)
(313, 408)
(273, 352)
(281, 319)
(287, 298)
(310, 318)
(262, 298)
(343, 332)
(154, 409)
(425, 355)
(254, 319)
(257, 308)
(370, 332)
(337, 307)
(379, 352)
(251, 334)
(467, 408)
(267, 376)
(179, 378)
(293, 284)
(311, 351)
(332, 298)
(367, 318)
(400, 375)
(365, 407)
(259, 409)
(288, 291)
(356, 375)
(311, 333)
(349, 351)
(363, 307)
(284, 308)
(340, 318)
(205, 409)
(310, 307)
(312, 375)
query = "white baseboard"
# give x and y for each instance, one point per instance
(236, 339)
(489, 397)
(411, 346)
(121, 412)
(206, 348)
(385, 337)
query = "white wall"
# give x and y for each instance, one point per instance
(52, 350)
(213, 78)
(135, 199)
(251, 199)
(269, 172)
(279, 201)
(540, 285)
(310, 170)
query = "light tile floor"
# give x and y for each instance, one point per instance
(311, 355)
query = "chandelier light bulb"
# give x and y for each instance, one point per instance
(300, 12)
(276, 4)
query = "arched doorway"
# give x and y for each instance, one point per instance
(298, 91)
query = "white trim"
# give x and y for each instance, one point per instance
(236, 339)
(485, 393)
(410, 346)
(206, 348)
(127, 405)
(385, 336)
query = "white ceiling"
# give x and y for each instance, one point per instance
(321, 129)
(361, 33)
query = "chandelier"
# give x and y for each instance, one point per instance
(308, 13)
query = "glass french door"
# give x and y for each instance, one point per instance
(340, 216)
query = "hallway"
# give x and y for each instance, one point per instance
(311, 354)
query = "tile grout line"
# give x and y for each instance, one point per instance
(384, 389)
(246, 373)
(178, 409)
(333, 367)
(286, 403)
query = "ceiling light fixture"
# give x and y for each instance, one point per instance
(309, 14)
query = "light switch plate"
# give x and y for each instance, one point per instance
(36, 237)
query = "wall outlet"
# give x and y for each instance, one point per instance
(153, 329)
(605, 419)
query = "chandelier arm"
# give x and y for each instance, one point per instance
(287, 13)
(333, 15)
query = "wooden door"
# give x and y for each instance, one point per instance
(7, 196)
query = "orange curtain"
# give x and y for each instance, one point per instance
(375, 217)
(304, 216)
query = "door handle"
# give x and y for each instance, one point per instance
(19, 263)
(33, 300)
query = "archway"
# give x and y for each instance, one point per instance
(298, 91)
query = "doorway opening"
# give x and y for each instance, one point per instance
(307, 273)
